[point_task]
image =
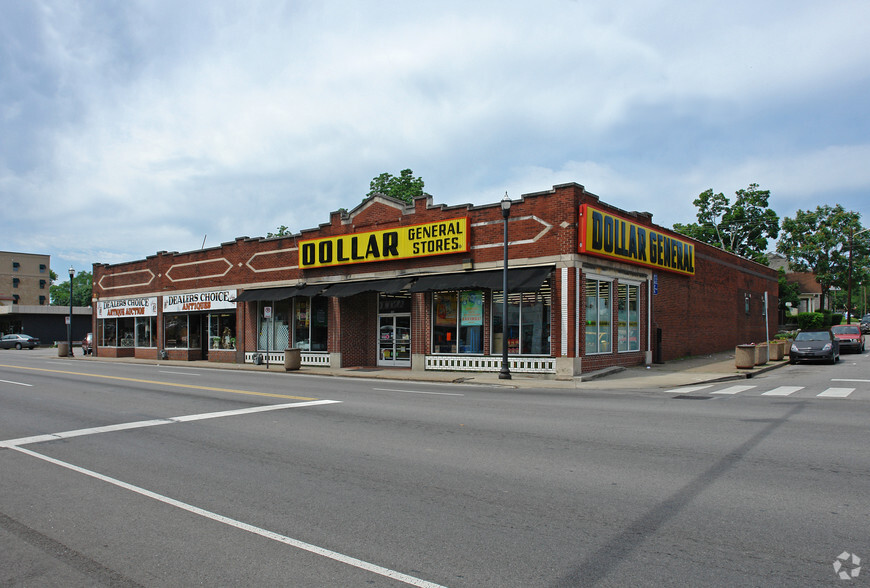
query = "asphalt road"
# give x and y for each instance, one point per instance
(144, 475)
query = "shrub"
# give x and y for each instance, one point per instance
(811, 320)
(837, 318)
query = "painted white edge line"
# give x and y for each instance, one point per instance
(11, 443)
(16, 383)
(418, 392)
(345, 559)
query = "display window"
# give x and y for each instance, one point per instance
(108, 333)
(182, 331)
(628, 315)
(598, 316)
(528, 322)
(222, 331)
(457, 322)
(310, 323)
(303, 320)
(118, 332)
(145, 333)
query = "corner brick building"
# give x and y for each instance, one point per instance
(419, 286)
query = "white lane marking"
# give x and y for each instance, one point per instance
(417, 392)
(687, 389)
(333, 555)
(783, 391)
(733, 390)
(16, 383)
(848, 380)
(11, 443)
(836, 393)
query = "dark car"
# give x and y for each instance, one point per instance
(865, 323)
(88, 344)
(815, 345)
(19, 341)
(850, 337)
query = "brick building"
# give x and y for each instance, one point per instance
(420, 286)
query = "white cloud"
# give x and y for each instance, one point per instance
(149, 125)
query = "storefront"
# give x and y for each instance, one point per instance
(419, 286)
(197, 324)
(126, 325)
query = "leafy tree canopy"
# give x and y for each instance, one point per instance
(404, 187)
(742, 228)
(819, 241)
(788, 291)
(282, 232)
(82, 290)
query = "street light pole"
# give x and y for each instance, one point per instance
(505, 373)
(852, 234)
(72, 272)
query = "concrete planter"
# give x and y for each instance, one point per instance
(761, 352)
(292, 359)
(776, 350)
(744, 356)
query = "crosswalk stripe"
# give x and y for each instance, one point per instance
(688, 389)
(836, 393)
(733, 390)
(783, 391)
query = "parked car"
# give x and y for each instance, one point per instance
(18, 341)
(815, 345)
(850, 337)
(88, 344)
(865, 323)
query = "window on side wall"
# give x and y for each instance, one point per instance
(598, 316)
(628, 328)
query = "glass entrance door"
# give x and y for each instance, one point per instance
(394, 340)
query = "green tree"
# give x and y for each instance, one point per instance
(818, 241)
(83, 287)
(743, 228)
(405, 187)
(788, 291)
(282, 232)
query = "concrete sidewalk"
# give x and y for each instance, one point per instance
(682, 372)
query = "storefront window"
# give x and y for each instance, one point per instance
(319, 323)
(628, 328)
(222, 331)
(109, 333)
(274, 332)
(598, 317)
(302, 324)
(444, 322)
(528, 322)
(175, 331)
(145, 331)
(458, 322)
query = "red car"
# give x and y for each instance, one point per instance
(850, 337)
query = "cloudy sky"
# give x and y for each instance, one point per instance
(129, 127)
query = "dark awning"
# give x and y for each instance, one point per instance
(524, 279)
(345, 289)
(310, 290)
(266, 294)
(282, 293)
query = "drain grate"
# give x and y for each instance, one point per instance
(692, 397)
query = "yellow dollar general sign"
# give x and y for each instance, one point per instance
(443, 237)
(607, 235)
